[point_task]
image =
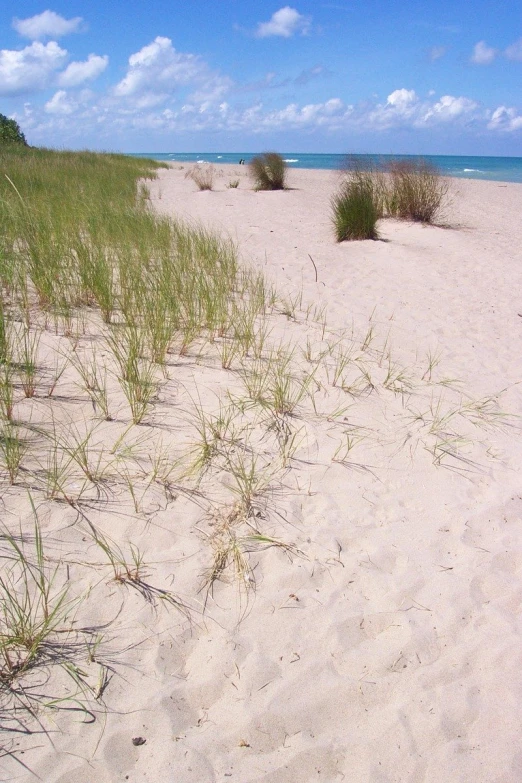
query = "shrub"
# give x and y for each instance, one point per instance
(234, 183)
(357, 205)
(268, 171)
(203, 176)
(416, 191)
(10, 132)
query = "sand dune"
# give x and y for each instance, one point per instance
(381, 641)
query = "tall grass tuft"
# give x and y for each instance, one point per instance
(268, 171)
(203, 176)
(355, 209)
(416, 191)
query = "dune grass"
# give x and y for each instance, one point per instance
(416, 191)
(83, 259)
(404, 189)
(268, 171)
(202, 175)
(355, 211)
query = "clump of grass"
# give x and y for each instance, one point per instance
(130, 570)
(38, 631)
(416, 191)
(268, 171)
(7, 400)
(234, 183)
(136, 372)
(203, 176)
(28, 342)
(232, 544)
(13, 448)
(355, 210)
(94, 382)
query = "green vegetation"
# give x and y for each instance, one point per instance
(416, 191)
(404, 189)
(10, 132)
(355, 209)
(268, 171)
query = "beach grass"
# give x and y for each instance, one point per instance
(354, 211)
(203, 175)
(268, 171)
(416, 191)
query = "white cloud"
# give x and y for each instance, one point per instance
(144, 101)
(402, 99)
(401, 108)
(514, 52)
(284, 23)
(158, 70)
(29, 69)
(505, 119)
(331, 113)
(483, 54)
(79, 72)
(404, 108)
(60, 103)
(448, 108)
(47, 25)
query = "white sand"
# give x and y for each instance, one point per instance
(389, 650)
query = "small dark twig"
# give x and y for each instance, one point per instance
(313, 262)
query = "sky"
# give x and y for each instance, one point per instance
(347, 76)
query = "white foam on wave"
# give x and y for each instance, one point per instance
(220, 156)
(291, 160)
(477, 170)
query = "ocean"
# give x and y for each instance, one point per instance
(469, 166)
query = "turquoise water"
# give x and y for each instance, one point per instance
(472, 166)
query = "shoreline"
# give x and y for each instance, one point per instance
(243, 169)
(486, 168)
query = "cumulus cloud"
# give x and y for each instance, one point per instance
(402, 99)
(514, 52)
(79, 72)
(483, 54)
(47, 25)
(284, 23)
(505, 119)
(60, 103)
(30, 69)
(313, 115)
(404, 108)
(449, 108)
(144, 105)
(158, 70)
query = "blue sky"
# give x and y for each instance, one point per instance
(337, 76)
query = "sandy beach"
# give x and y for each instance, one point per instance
(371, 631)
